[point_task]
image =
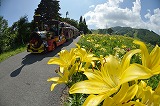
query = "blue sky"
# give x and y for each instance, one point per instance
(98, 13)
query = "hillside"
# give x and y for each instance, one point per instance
(142, 34)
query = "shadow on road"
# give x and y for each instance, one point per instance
(32, 58)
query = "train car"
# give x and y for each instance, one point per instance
(47, 39)
(68, 30)
(75, 32)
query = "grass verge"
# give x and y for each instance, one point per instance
(12, 52)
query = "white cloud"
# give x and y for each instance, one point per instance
(147, 16)
(110, 14)
(114, 2)
(92, 6)
(137, 6)
(155, 18)
(148, 10)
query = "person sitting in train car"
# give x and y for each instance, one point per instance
(54, 30)
(46, 28)
(49, 35)
(36, 29)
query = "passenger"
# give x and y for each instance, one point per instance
(46, 28)
(36, 29)
(53, 29)
(48, 35)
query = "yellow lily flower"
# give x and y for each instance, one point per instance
(147, 95)
(144, 92)
(65, 60)
(152, 60)
(64, 77)
(68, 64)
(85, 57)
(123, 97)
(108, 79)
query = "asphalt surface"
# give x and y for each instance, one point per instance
(23, 79)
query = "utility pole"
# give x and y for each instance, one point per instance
(67, 13)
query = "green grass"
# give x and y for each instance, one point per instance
(106, 44)
(11, 52)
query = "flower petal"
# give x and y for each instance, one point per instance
(145, 55)
(129, 95)
(127, 57)
(53, 86)
(108, 102)
(89, 87)
(94, 100)
(110, 71)
(134, 72)
(53, 79)
(55, 61)
(93, 75)
(155, 57)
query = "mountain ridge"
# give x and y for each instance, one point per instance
(144, 35)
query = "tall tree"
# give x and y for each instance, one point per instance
(47, 10)
(84, 21)
(3, 32)
(83, 26)
(81, 18)
(23, 30)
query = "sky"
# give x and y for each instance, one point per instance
(98, 13)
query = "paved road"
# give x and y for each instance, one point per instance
(23, 79)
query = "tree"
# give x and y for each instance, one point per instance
(84, 21)
(3, 32)
(83, 26)
(109, 30)
(23, 29)
(47, 10)
(80, 20)
(102, 31)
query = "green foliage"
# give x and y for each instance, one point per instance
(82, 26)
(153, 81)
(3, 33)
(75, 100)
(148, 36)
(16, 35)
(94, 31)
(102, 31)
(105, 31)
(104, 45)
(142, 34)
(48, 9)
(81, 18)
(24, 30)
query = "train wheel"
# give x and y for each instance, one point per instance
(45, 50)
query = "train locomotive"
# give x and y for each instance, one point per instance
(50, 35)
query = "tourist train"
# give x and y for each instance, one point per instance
(49, 35)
